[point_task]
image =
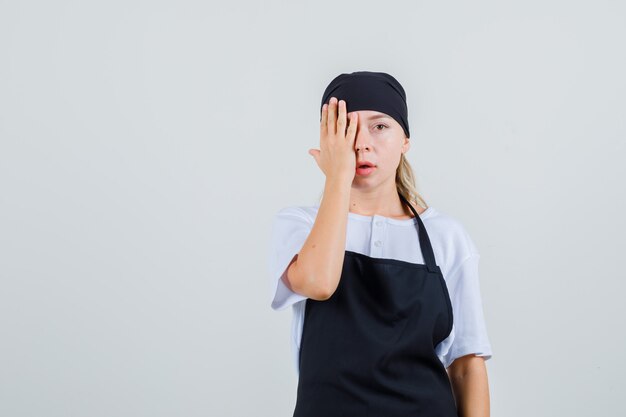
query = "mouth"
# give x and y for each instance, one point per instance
(365, 168)
(366, 165)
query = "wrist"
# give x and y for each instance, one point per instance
(341, 180)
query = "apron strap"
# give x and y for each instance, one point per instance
(427, 249)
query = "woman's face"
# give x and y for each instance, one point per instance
(380, 140)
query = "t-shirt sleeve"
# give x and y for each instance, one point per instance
(290, 228)
(470, 332)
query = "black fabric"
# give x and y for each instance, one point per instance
(369, 350)
(367, 90)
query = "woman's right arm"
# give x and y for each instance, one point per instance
(316, 269)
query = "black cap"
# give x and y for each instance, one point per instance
(366, 90)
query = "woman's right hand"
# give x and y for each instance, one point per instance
(336, 156)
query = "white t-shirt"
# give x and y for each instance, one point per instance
(383, 237)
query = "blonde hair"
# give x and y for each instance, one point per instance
(405, 184)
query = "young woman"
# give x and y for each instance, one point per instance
(387, 312)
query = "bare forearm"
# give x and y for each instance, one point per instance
(471, 392)
(321, 259)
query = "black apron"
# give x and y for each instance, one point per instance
(369, 350)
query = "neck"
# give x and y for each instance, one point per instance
(383, 202)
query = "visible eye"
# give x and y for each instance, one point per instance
(381, 125)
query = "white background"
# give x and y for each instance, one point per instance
(146, 145)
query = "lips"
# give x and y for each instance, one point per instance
(365, 168)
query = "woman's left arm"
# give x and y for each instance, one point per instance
(470, 386)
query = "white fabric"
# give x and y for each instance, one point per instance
(383, 237)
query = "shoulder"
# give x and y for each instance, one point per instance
(449, 232)
(302, 213)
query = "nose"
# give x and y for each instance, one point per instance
(362, 140)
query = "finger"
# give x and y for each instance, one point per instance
(332, 116)
(341, 118)
(315, 153)
(323, 123)
(351, 133)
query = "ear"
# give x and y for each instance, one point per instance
(406, 145)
